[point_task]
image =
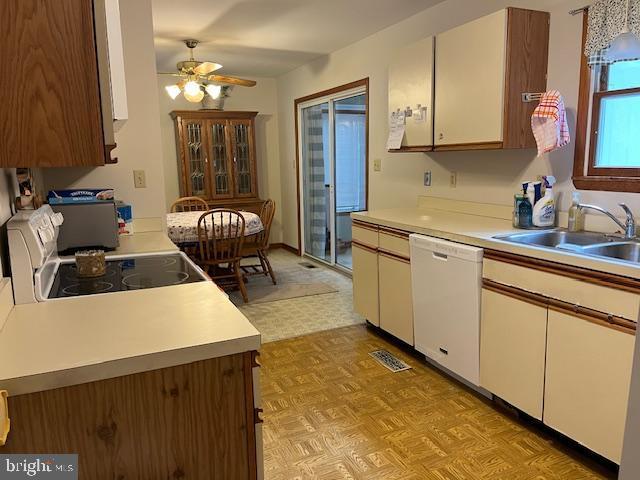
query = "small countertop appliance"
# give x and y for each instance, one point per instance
(87, 225)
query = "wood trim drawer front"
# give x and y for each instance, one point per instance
(512, 350)
(365, 234)
(587, 382)
(610, 300)
(603, 319)
(395, 242)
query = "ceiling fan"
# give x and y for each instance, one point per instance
(198, 80)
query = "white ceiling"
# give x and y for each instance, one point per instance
(267, 38)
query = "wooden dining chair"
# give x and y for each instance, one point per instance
(220, 240)
(259, 244)
(189, 204)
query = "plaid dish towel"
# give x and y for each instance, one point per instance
(549, 123)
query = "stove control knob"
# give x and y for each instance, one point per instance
(45, 235)
(57, 219)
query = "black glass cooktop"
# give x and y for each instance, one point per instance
(126, 274)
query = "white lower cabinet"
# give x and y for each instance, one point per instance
(396, 302)
(365, 283)
(587, 382)
(512, 350)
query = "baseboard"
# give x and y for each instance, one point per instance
(284, 246)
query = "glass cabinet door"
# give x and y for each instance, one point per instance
(243, 158)
(195, 161)
(221, 170)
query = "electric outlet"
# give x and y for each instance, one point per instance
(139, 179)
(453, 179)
(427, 178)
(377, 164)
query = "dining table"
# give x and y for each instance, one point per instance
(182, 227)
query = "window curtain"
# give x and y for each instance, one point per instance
(315, 201)
(605, 23)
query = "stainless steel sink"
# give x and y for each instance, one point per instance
(558, 238)
(629, 251)
(587, 243)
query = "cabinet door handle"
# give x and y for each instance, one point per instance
(5, 424)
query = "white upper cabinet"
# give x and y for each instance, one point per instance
(111, 70)
(116, 64)
(482, 68)
(470, 77)
(411, 91)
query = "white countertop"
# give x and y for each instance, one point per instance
(479, 231)
(145, 242)
(78, 340)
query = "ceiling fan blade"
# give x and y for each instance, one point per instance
(206, 67)
(232, 80)
(173, 74)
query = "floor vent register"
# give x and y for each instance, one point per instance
(308, 265)
(390, 361)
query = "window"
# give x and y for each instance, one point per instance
(607, 140)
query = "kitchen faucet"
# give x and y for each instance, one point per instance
(629, 227)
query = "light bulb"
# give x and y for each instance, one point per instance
(626, 46)
(173, 91)
(192, 88)
(194, 98)
(213, 90)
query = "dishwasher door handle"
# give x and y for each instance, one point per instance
(440, 256)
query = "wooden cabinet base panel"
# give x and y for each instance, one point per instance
(192, 421)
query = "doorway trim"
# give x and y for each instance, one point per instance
(364, 82)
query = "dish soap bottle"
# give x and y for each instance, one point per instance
(544, 211)
(575, 216)
(525, 211)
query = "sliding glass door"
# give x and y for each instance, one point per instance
(333, 173)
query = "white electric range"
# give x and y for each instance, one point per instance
(38, 274)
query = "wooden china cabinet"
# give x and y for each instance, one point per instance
(217, 157)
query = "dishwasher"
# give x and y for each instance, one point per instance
(446, 283)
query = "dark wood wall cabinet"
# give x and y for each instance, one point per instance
(52, 109)
(217, 157)
(193, 421)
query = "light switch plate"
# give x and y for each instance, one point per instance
(139, 179)
(427, 178)
(377, 164)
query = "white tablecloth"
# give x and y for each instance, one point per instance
(182, 227)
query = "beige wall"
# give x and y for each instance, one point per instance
(491, 176)
(139, 141)
(261, 98)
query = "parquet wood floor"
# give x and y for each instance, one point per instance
(333, 413)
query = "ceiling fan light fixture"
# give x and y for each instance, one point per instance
(192, 88)
(213, 90)
(173, 91)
